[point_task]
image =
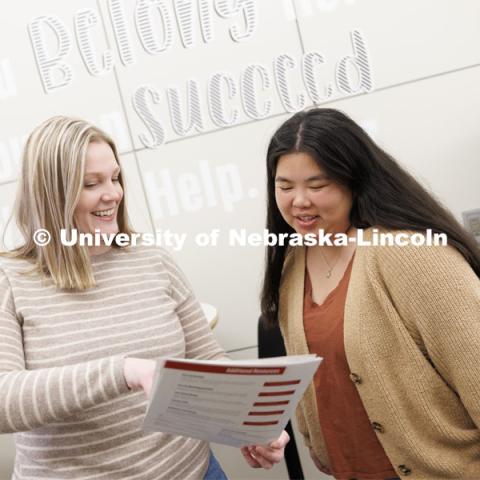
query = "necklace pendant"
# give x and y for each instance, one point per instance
(329, 274)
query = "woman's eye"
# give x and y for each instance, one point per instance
(285, 189)
(317, 187)
(89, 185)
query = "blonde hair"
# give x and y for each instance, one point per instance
(51, 182)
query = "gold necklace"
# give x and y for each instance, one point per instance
(330, 267)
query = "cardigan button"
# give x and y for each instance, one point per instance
(378, 427)
(404, 470)
(355, 378)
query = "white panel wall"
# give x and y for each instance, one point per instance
(417, 93)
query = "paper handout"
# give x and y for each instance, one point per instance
(232, 402)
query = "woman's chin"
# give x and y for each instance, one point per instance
(111, 229)
(301, 230)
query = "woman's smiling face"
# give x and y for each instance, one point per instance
(307, 199)
(102, 192)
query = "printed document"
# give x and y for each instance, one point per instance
(232, 402)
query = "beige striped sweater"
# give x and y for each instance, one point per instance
(62, 388)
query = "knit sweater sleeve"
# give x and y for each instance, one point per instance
(437, 295)
(200, 343)
(32, 398)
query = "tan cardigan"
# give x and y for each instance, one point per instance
(412, 340)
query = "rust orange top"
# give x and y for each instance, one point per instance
(352, 444)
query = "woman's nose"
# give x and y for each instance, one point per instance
(301, 199)
(112, 192)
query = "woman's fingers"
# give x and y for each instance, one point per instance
(266, 457)
(274, 453)
(138, 373)
(261, 456)
(249, 458)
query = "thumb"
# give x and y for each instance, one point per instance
(281, 441)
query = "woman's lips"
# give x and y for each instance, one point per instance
(104, 218)
(306, 221)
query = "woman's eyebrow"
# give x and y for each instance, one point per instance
(99, 174)
(322, 176)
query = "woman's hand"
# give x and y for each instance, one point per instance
(323, 468)
(265, 457)
(139, 373)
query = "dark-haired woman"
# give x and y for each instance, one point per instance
(398, 393)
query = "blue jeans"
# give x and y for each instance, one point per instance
(214, 471)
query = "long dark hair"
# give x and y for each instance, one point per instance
(384, 194)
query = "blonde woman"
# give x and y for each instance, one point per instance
(80, 326)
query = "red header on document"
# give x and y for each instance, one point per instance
(223, 369)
